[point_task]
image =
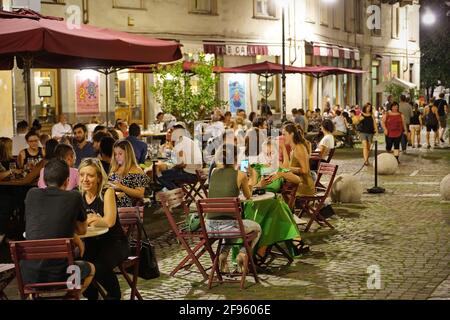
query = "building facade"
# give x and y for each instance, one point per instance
(377, 37)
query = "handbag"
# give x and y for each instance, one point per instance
(148, 264)
(192, 222)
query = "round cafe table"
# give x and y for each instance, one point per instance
(94, 232)
(257, 198)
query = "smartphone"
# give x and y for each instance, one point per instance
(244, 166)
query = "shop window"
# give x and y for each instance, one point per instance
(349, 15)
(129, 97)
(44, 95)
(324, 13)
(395, 69)
(203, 6)
(265, 9)
(395, 22)
(129, 4)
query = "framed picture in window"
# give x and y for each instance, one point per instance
(45, 91)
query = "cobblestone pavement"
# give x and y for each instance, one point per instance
(405, 233)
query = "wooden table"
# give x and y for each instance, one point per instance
(266, 196)
(94, 232)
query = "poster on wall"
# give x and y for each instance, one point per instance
(237, 95)
(87, 91)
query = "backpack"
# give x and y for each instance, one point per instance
(431, 119)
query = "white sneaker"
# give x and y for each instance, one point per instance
(2, 237)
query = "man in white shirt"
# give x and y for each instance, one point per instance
(187, 158)
(62, 128)
(18, 142)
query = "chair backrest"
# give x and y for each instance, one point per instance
(225, 207)
(330, 155)
(289, 193)
(131, 223)
(51, 249)
(330, 170)
(133, 210)
(173, 199)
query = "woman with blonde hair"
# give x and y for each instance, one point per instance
(106, 251)
(126, 177)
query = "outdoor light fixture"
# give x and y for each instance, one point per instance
(429, 17)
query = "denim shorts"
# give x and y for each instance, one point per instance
(366, 137)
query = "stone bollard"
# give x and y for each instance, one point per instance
(346, 189)
(445, 188)
(387, 164)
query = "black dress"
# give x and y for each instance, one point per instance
(106, 252)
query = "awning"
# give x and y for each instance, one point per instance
(403, 83)
(335, 51)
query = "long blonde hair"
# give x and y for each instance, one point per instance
(130, 157)
(101, 174)
(5, 149)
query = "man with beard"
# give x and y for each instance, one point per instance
(83, 148)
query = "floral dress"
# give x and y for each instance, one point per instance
(131, 180)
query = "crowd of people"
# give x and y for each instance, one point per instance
(91, 170)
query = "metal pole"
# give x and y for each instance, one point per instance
(107, 97)
(283, 76)
(376, 189)
(317, 95)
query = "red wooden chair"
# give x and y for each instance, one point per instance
(194, 242)
(194, 189)
(7, 274)
(131, 225)
(231, 207)
(43, 250)
(313, 204)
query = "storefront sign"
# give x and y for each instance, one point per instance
(236, 50)
(237, 94)
(87, 91)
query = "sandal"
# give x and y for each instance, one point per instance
(300, 247)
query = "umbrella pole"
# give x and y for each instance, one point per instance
(267, 89)
(107, 98)
(317, 103)
(26, 79)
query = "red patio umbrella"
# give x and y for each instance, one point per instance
(266, 69)
(318, 72)
(37, 41)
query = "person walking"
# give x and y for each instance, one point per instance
(407, 112)
(367, 127)
(415, 126)
(442, 109)
(432, 123)
(394, 127)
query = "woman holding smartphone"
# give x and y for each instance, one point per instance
(126, 177)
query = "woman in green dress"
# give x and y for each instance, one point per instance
(227, 182)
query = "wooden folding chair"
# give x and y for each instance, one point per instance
(313, 204)
(54, 249)
(194, 242)
(130, 220)
(233, 208)
(194, 189)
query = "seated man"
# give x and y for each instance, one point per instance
(54, 213)
(187, 159)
